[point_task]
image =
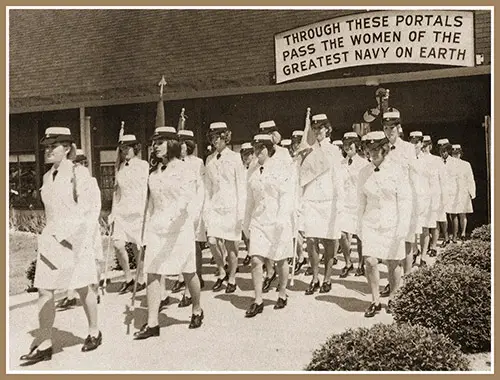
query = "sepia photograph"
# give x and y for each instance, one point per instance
(249, 189)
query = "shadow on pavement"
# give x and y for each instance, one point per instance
(139, 317)
(346, 303)
(242, 302)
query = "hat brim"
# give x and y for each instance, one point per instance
(376, 144)
(165, 135)
(128, 143)
(268, 130)
(56, 139)
(391, 122)
(185, 137)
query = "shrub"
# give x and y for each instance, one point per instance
(453, 299)
(482, 233)
(131, 258)
(388, 348)
(27, 221)
(476, 253)
(30, 275)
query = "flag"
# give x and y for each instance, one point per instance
(160, 110)
(308, 136)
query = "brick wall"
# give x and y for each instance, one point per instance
(59, 56)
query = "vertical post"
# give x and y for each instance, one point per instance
(38, 159)
(89, 145)
(486, 125)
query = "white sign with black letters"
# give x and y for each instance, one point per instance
(439, 37)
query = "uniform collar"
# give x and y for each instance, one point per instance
(63, 166)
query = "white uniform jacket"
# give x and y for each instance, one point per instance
(466, 188)
(129, 200)
(198, 168)
(383, 204)
(64, 260)
(270, 210)
(225, 199)
(451, 192)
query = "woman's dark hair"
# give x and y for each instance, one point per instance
(173, 151)
(267, 144)
(137, 148)
(190, 145)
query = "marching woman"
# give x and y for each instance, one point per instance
(383, 217)
(466, 193)
(64, 261)
(246, 154)
(268, 219)
(170, 233)
(128, 206)
(321, 179)
(426, 194)
(188, 145)
(450, 188)
(224, 206)
(352, 165)
(435, 169)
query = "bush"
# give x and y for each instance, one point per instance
(27, 221)
(388, 348)
(482, 233)
(453, 299)
(131, 258)
(476, 253)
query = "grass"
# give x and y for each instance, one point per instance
(22, 251)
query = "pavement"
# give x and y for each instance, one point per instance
(276, 340)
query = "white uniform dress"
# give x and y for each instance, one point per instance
(269, 210)
(224, 207)
(404, 155)
(196, 164)
(441, 170)
(322, 200)
(349, 215)
(59, 266)
(94, 241)
(466, 188)
(383, 204)
(169, 237)
(130, 200)
(430, 191)
(452, 170)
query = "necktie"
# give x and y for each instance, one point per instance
(261, 169)
(376, 169)
(163, 167)
(349, 162)
(393, 147)
(445, 160)
(54, 175)
(126, 163)
(218, 155)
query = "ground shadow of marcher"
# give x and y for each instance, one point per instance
(60, 340)
(241, 302)
(346, 303)
(140, 317)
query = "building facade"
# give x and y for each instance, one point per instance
(91, 69)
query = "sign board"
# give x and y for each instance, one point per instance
(439, 37)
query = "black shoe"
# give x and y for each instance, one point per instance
(445, 243)
(386, 291)
(388, 309)
(322, 260)
(372, 310)
(325, 287)
(218, 285)
(66, 303)
(454, 241)
(140, 287)
(345, 271)
(164, 303)
(101, 283)
(313, 286)
(267, 282)
(432, 253)
(212, 261)
(92, 342)
(35, 355)
(230, 288)
(335, 261)
(178, 286)
(360, 271)
(281, 303)
(185, 301)
(246, 260)
(254, 309)
(298, 265)
(309, 271)
(202, 282)
(415, 255)
(126, 287)
(98, 299)
(146, 332)
(196, 320)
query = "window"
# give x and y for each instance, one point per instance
(22, 181)
(107, 174)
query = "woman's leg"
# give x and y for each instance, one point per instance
(312, 251)
(283, 277)
(137, 254)
(359, 246)
(217, 254)
(395, 273)
(345, 244)
(454, 218)
(257, 262)
(46, 316)
(435, 236)
(463, 224)
(193, 286)
(373, 277)
(153, 294)
(232, 255)
(89, 301)
(122, 256)
(424, 243)
(331, 247)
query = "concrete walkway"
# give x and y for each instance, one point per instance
(276, 340)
